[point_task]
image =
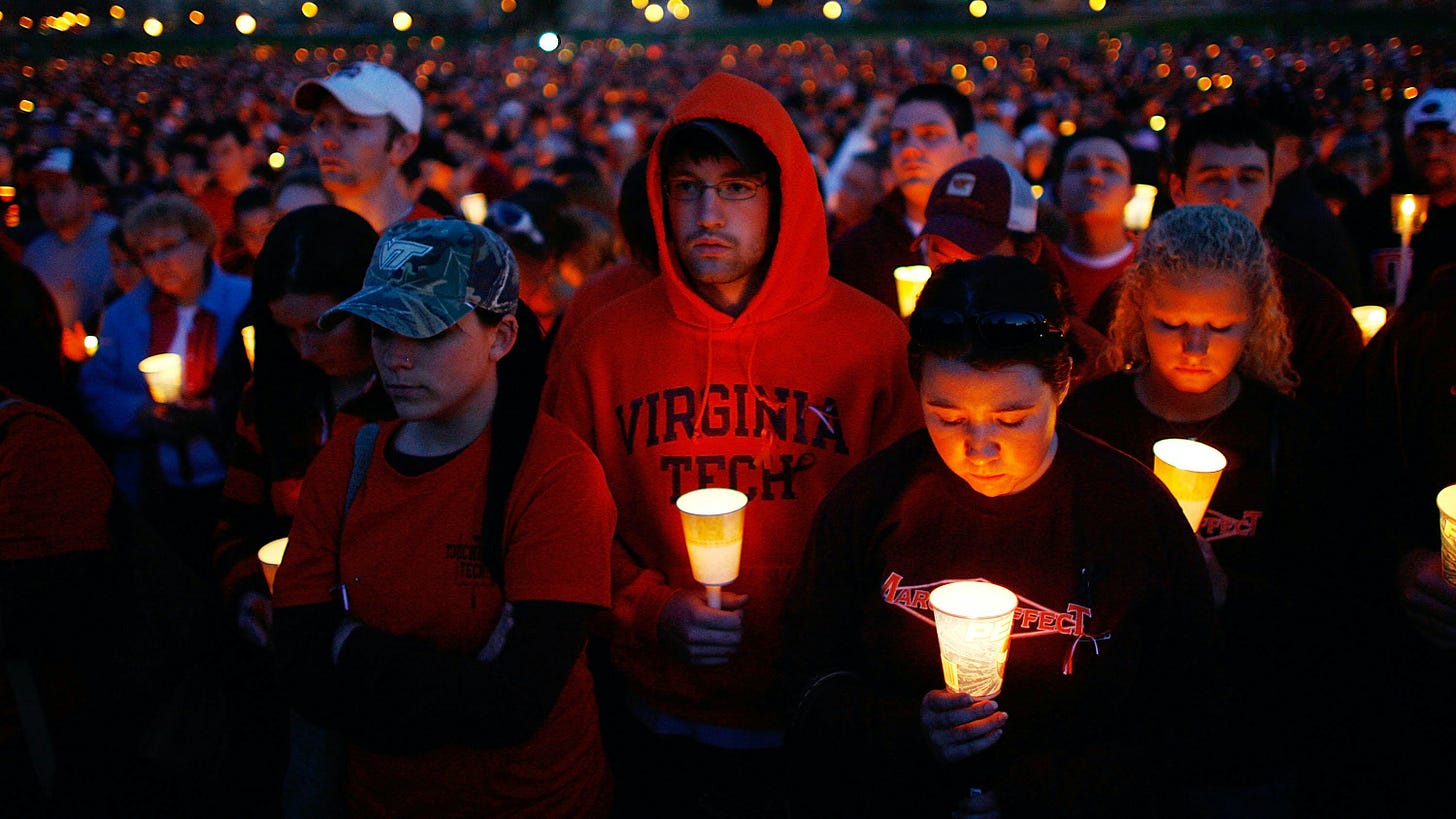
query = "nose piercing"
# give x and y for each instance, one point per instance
(409, 361)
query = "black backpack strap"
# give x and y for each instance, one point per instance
(363, 452)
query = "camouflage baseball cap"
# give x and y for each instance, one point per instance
(430, 273)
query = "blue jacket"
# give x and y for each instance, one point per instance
(115, 391)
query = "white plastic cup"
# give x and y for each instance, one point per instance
(1191, 471)
(1370, 317)
(163, 373)
(909, 281)
(973, 623)
(1446, 502)
(712, 521)
(271, 557)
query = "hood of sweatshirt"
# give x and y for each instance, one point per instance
(799, 270)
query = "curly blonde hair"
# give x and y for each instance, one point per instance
(164, 210)
(1198, 243)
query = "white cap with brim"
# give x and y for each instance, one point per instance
(1435, 107)
(368, 90)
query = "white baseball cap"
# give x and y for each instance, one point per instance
(1435, 107)
(368, 90)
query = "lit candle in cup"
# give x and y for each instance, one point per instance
(92, 344)
(973, 625)
(271, 556)
(1446, 503)
(712, 521)
(473, 207)
(1191, 471)
(163, 373)
(1137, 214)
(909, 281)
(1371, 318)
(250, 341)
(1407, 216)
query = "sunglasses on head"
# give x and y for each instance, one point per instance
(1002, 330)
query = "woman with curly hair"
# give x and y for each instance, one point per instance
(1200, 347)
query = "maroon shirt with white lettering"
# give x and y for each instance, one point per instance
(1112, 650)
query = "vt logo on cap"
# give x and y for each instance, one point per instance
(395, 252)
(961, 184)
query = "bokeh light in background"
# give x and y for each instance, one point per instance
(978, 8)
(152, 26)
(832, 10)
(402, 21)
(549, 41)
(246, 24)
(309, 10)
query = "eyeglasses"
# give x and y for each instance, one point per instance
(729, 190)
(1002, 330)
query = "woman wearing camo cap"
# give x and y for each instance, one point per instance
(436, 612)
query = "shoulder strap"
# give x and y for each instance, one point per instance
(363, 452)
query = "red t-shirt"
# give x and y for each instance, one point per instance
(54, 488)
(410, 557)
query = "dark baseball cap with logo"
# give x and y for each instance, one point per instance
(977, 204)
(427, 274)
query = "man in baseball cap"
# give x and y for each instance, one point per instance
(984, 207)
(977, 208)
(1430, 135)
(366, 124)
(71, 257)
(1430, 148)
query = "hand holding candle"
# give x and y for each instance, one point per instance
(712, 521)
(1191, 471)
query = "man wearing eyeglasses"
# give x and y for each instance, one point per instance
(744, 366)
(366, 124)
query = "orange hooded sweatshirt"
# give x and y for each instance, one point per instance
(780, 402)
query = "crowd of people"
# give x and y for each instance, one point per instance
(463, 323)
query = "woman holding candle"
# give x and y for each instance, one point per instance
(390, 607)
(1112, 636)
(313, 259)
(167, 457)
(1201, 344)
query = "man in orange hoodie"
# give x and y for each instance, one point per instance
(742, 365)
